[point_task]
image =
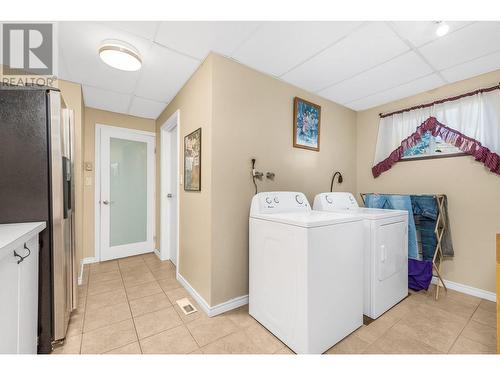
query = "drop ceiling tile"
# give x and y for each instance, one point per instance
(276, 47)
(164, 74)
(369, 46)
(144, 29)
(473, 68)
(107, 100)
(396, 72)
(408, 89)
(421, 32)
(80, 41)
(347, 68)
(197, 39)
(470, 42)
(146, 108)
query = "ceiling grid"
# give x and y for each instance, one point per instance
(357, 64)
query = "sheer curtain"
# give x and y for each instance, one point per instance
(471, 123)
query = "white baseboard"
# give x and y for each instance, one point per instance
(229, 305)
(199, 299)
(80, 274)
(85, 261)
(212, 310)
(470, 290)
(90, 260)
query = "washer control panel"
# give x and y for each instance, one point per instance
(279, 201)
(337, 200)
(299, 199)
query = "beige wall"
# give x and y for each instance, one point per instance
(72, 94)
(195, 104)
(245, 114)
(253, 118)
(472, 190)
(93, 117)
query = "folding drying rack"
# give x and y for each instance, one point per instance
(439, 231)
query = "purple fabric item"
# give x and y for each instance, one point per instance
(419, 274)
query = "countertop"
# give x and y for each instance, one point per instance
(13, 236)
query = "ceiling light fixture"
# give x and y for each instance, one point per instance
(120, 55)
(442, 28)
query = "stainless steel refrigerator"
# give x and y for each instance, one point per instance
(36, 184)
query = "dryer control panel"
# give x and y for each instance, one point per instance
(337, 200)
(279, 201)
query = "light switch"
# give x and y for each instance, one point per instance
(88, 181)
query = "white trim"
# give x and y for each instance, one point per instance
(120, 129)
(470, 290)
(80, 275)
(198, 298)
(157, 253)
(229, 305)
(212, 310)
(82, 262)
(174, 121)
(97, 191)
(90, 260)
(97, 181)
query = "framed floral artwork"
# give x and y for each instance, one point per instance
(192, 161)
(306, 124)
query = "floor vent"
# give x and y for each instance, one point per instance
(186, 306)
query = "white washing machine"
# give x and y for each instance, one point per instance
(305, 271)
(386, 250)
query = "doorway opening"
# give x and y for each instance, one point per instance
(170, 182)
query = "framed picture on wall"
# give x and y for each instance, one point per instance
(306, 124)
(192, 161)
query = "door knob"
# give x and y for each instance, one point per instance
(169, 195)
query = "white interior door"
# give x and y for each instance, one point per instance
(169, 224)
(126, 199)
(172, 196)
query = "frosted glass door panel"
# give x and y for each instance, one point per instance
(126, 192)
(128, 187)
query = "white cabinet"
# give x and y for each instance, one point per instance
(19, 287)
(28, 299)
(9, 303)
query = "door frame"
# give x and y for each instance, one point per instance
(97, 184)
(172, 122)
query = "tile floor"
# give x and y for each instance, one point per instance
(127, 306)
